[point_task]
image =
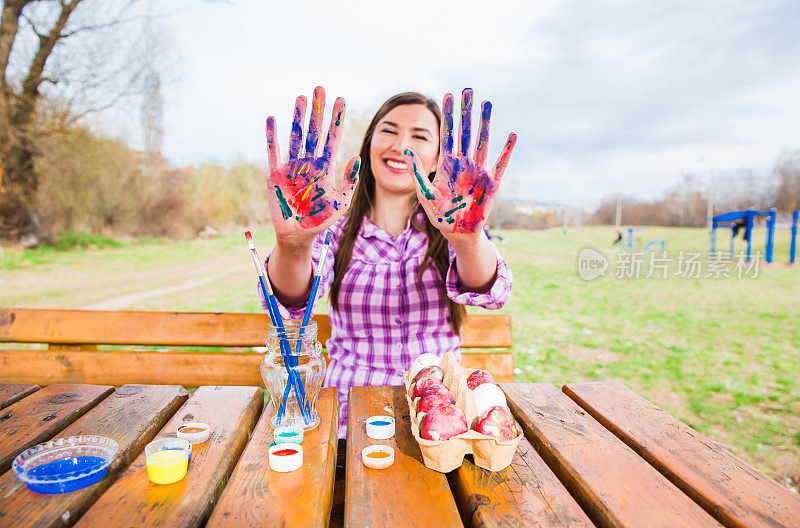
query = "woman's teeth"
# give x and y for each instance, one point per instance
(395, 164)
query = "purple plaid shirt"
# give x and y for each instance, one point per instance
(386, 318)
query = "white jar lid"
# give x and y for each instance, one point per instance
(380, 427)
(288, 434)
(373, 462)
(194, 432)
(285, 457)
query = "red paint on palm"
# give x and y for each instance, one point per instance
(302, 191)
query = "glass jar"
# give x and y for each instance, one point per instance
(302, 368)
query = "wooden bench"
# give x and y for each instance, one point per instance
(66, 346)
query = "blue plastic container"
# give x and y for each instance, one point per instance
(65, 464)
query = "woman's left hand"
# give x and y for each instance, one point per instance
(459, 199)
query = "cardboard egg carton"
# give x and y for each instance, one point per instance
(446, 455)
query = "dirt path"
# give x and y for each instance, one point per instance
(124, 301)
(185, 277)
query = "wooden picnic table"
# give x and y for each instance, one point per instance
(594, 454)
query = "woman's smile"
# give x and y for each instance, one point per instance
(395, 165)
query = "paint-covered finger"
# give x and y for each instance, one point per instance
(315, 120)
(446, 128)
(273, 151)
(296, 136)
(502, 160)
(465, 128)
(334, 130)
(344, 194)
(482, 148)
(417, 171)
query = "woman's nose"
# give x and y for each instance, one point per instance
(400, 141)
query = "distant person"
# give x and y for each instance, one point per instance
(408, 249)
(741, 223)
(617, 240)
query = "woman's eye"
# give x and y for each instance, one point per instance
(421, 138)
(388, 131)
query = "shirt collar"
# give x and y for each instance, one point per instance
(369, 229)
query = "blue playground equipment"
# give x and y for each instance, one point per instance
(772, 224)
(654, 245)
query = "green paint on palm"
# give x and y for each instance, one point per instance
(318, 208)
(457, 199)
(285, 210)
(454, 209)
(480, 200)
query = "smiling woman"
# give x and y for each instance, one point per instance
(408, 249)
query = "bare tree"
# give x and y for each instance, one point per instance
(59, 61)
(787, 174)
(153, 115)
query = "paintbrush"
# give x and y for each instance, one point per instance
(277, 322)
(311, 301)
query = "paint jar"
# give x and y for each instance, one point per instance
(167, 460)
(294, 350)
(377, 456)
(380, 427)
(285, 458)
(291, 435)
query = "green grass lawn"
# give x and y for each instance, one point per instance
(721, 354)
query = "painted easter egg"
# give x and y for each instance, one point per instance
(479, 377)
(497, 422)
(487, 396)
(425, 360)
(424, 384)
(432, 397)
(429, 372)
(442, 422)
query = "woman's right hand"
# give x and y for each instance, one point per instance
(303, 198)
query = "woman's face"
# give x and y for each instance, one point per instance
(411, 126)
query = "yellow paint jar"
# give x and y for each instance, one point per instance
(167, 460)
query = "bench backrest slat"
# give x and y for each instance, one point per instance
(190, 328)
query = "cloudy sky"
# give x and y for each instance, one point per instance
(605, 96)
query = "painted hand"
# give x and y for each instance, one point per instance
(459, 198)
(303, 198)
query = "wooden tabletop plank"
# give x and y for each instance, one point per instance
(42, 415)
(407, 493)
(256, 496)
(13, 392)
(131, 416)
(613, 485)
(735, 493)
(526, 493)
(134, 501)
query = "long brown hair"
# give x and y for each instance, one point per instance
(363, 200)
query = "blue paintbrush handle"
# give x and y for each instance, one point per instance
(289, 361)
(274, 314)
(309, 309)
(307, 314)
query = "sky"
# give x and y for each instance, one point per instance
(605, 96)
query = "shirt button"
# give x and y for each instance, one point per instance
(398, 320)
(399, 346)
